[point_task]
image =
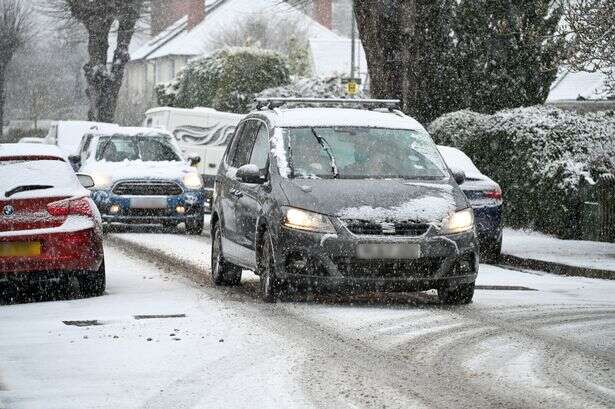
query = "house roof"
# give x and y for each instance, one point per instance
(220, 16)
(331, 57)
(571, 86)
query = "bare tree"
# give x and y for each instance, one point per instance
(104, 78)
(15, 28)
(592, 47)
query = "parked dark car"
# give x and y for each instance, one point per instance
(341, 198)
(485, 196)
(50, 229)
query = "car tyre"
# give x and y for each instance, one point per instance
(222, 272)
(94, 283)
(269, 282)
(460, 294)
(492, 252)
(195, 227)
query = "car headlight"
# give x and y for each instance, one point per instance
(101, 181)
(459, 222)
(193, 181)
(310, 221)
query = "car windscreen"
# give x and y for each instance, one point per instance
(359, 153)
(118, 148)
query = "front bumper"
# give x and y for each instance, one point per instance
(332, 261)
(193, 203)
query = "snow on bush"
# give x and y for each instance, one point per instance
(541, 156)
(227, 80)
(326, 87)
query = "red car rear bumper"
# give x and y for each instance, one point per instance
(65, 251)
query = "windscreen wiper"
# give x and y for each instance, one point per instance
(325, 145)
(25, 188)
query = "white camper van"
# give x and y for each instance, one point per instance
(67, 134)
(201, 131)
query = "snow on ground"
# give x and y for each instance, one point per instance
(530, 339)
(537, 246)
(129, 363)
(544, 339)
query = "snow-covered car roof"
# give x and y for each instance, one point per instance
(12, 150)
(327, 117)
(131, 131)
(456, 159)
(70, 133)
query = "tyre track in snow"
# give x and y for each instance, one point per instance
(429, 369)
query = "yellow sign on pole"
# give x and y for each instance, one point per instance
(352, 88)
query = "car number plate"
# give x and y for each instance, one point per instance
(20, 249)
(396, 251)
(148, 203)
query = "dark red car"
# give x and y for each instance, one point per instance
(49, 227)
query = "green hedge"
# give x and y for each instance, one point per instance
(541, 156)
(226, 80)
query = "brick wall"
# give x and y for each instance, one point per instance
(166, 12)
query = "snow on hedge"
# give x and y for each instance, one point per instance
(541, 156)
(226, 80)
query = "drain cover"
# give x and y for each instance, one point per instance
(152, 317)
(504, 288)
(87, 323)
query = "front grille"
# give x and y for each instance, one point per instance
(398, 228)
(420, 268)
(148, 212)
(147, 188)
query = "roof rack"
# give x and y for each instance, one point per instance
(271, 103)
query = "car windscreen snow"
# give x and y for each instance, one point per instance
(118, 148)
(42, 173)
(358, 153)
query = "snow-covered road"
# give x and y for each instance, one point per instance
(529, 340)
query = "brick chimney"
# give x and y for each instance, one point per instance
(323, 12)
(166, 12)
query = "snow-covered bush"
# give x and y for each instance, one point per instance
(454, 128)
(539, 155)
(326, 87)
(226, 80)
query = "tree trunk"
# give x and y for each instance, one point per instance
(387, 30)
(96, 73)
(2, 99)
(103, 81)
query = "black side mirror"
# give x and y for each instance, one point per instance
(75, 161)
(85, 180)
(194, 160)
(249, 174)
(459, 176)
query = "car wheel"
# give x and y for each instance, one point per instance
(222, 273)
(94, 283)
(460, 294)
(270, 285)
(492, 251)
(195, 227)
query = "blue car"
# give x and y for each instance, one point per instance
(485, 196)
(141, 177)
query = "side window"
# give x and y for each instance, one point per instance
(232, 147)
(85, 147)
(245, 144)
(260, 152)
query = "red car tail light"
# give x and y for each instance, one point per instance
(495, 194)
(77, 207)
